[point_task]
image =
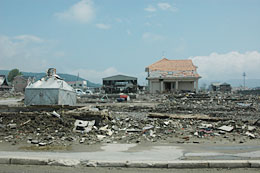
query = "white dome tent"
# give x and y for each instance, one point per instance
(50, 90)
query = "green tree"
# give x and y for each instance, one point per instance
(12, 74)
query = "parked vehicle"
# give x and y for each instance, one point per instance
(88, 92)
(79, 92)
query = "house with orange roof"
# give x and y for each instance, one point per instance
(172, 76)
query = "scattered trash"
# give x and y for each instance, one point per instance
(12, 126)
(251, 128)
(24, 123)
(34, 141)
(226, 128)
(81, 126)
(100, 137)
(244, 104)
(82, 140)
(250, 135)
(56, 114)
(173, 118)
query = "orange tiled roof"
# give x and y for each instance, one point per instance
(172, 65)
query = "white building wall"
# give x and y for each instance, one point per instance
(154, 87)
(186, 85)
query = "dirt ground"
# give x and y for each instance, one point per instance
(204, 118)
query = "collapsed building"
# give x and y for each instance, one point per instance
(20, 82)
(172, 75)
(50, 90)
(120, 84)
(4, 84)
(222, 87)
(78, 84)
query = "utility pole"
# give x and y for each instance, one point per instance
(244, 75)
(78, 77)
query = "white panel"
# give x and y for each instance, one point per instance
(155, 87)
(186, 86)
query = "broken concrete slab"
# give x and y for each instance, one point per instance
(81, 126)
(251, 135)
(186, 116)
(226, 128)
(251, 128)
(12, 126)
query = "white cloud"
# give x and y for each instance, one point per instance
(147, 24)
(128, 32)
(26, 52)
(166, 6)
(152, 37)
(151, 15)
(150, 8)
(119, 20)
(83, 12)
(59, 54)
(228, 66)
(103, 26)
(94, 75)
(29, 38)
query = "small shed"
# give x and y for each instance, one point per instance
(50, 90)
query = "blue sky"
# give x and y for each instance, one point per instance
(99, 38)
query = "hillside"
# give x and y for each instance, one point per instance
(66, 77)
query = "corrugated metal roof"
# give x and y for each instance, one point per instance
(120, 77)
(51, 82)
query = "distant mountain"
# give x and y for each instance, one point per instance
(66, 77)
(4, 72)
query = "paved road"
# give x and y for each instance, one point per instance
(56, 169)
(136, 152)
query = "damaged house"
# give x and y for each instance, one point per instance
(172, 76)
(120, 84)
(50, 90)
(4, 84)
(21, 82)
(222, 87)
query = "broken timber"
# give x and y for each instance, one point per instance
(187, 116)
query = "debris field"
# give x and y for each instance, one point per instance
(174, 118)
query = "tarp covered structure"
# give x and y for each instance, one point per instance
(50, 90)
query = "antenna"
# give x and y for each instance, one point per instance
(163, 54)
(244, 76)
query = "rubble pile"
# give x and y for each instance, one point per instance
(175, 118)
(57, 128)
(8, 94)
(44, 128)
(216, 105)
